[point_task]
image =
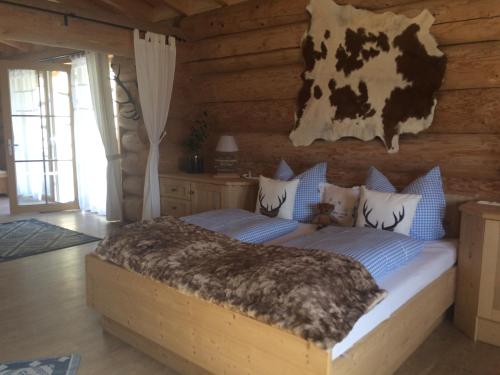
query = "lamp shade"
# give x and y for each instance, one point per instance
(226, 143)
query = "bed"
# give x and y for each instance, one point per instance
(194, 336)
(3, 182)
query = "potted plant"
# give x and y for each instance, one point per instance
(198, 136)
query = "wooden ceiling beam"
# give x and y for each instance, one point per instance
(83, 10)
(32, 26)
(190, 7)
(131, 9)
(17, 45)
(42, 54)
(222, 3)
(181, 6)
(165, 13)
(228, 2)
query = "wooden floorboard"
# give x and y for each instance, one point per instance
(43, 313)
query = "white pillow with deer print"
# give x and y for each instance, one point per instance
(387, 211)
(276, 198)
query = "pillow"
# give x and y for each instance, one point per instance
(375, 180)
(345, 201)
(242, 225)
(428, 222)
(387, 211)
(308, 194)
(381, 252)
(276, 198)
(284, 172)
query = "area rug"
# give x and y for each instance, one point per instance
(66, 365)
(23, 238)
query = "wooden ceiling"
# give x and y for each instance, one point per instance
(133, 13)
(160, 16)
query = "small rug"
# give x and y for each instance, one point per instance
(67, 365)
(23, 238)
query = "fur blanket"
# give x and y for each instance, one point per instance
(314, 294)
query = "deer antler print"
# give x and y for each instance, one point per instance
(397, 220)
(273, 211)
(367, 213)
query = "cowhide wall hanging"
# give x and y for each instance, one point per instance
(366, 75)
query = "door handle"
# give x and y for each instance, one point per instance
(10, 146)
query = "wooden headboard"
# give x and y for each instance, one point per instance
(452, 218)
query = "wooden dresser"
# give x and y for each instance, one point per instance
(184, 194)
(477, 306)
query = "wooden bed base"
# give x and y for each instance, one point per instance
(193, 336)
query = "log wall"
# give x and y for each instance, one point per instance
(244, 67)
(134, 143)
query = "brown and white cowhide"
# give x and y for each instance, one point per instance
(366, 75)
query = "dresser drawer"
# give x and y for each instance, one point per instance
(175, 188)
(175, 207)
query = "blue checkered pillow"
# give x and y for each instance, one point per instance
(375, 180)
(284, 172)
(242, 225)
(380, 251)
(308, 193)
(428, 222)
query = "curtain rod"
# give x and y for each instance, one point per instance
(67, 15)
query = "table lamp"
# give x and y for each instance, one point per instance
(226, 161)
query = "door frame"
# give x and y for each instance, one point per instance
(15, 208)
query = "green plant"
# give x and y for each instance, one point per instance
(198, 135)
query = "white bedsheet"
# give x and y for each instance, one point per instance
(436, 258)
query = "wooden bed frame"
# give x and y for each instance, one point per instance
(194, 336)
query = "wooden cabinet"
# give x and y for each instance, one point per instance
(477, 306)
(184, 194)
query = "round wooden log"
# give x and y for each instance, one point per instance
(126, 65)
(132, 142)
(133, 185)
(129, 111)
(129, 124)
(134, 164)
(132, 208)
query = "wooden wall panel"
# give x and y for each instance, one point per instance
(289, 36)
(470, 163)
(244, 68)
(258, 14)
(474, 65)
(459, 111)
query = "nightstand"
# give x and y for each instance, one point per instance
(477, 303)
(184, 194)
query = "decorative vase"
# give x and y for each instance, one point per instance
(195, 163)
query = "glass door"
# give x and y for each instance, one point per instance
(39, 133)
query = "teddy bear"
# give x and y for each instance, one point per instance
(323, 216)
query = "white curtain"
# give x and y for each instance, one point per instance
(89, 150)
(100, 88)
(155, 65)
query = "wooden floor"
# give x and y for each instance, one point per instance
(43, 313)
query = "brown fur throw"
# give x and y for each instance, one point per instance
(314, 294)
